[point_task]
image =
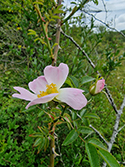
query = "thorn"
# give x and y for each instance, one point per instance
(55, 154)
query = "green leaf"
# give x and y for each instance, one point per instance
(108, 158)
(58, 10)
(87, 79)
(95, 1)
(38, 3)
(84, 129)
(39, 135)
(73, 3)
(85, 121)
(71, 137)
(83, 112)
(58, 7)
(55, 44)
(74, 81)
(38, 141)
(16, 126)
(46, 143)
(29, 109)
(52, 20)
(44, 130)
(47, 16)
(41, 145)
(56, 110)
(42, 41)
(97, 143)
(55, 17)
(92, 155)
(92, 115)
(41, 113)
(7, 72)
(73, 115)
(50, 12)
(37, 39)
(67, 118)
(32, 32)
(68, 81)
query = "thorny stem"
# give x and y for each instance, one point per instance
(99, 134)
(52, 141)
(57, 37)
(54, 58)
(52, 147)
(59, 150)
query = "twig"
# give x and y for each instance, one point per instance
(121, 128)
(104, 23)
(52, 146)
(111, 100)
(88, 135)
(122, 106)
(77, 45)
(93, 65)
(105, 9)
(99, 134)
(115, 130)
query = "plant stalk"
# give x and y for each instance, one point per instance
(57, 37)
(52, 147)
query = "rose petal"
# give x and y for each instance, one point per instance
(56, 75)
(38, 84)
(43, 99)
(24, 94)
(100, 85)
(73, 97)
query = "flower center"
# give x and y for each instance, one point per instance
(49, 90)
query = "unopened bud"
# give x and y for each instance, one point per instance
(97, 87)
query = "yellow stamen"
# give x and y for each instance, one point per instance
(50, 89)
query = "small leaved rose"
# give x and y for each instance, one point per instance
(97, 87)
(48, 87)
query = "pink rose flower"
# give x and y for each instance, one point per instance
(48, 87)
(97, 87)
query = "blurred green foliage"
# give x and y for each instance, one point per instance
(22, 60)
